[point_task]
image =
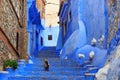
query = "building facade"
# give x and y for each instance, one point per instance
(70, 17)
(40, 4)
(84, 22)
(13, 36)
(34, 26)
(51, 9)
(50, 36)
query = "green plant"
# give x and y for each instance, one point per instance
(8, 63)
(14, 64)
(11, 63)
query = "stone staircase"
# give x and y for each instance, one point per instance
(59, 69)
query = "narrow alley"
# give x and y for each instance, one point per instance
(59, 40)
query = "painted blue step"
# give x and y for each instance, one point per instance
(54, 61)
(49, 59)
(49, 48)
(37, 78)
(53, 69)
(89, 76)
(87, 62)
(54, 64)
(42, 72)
(68, 73)
(48, 52)
(64, 69)
(93, 70)
(3, 75)
(47, 78)
(51, 65)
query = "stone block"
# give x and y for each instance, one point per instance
(1, 68)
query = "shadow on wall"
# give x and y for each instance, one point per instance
(76, 40)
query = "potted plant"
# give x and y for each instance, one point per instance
(14, 64)
(7, 63)
(11, 65)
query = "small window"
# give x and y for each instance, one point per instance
(69, 15)
(49, 37)
(41, 41)
(17, 40)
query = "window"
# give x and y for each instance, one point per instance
(41, 41)
(17, 40)
(69, 15)
(49, 37)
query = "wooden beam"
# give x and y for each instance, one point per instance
(5, 39)
(11, 5)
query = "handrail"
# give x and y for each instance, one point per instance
(7, 41)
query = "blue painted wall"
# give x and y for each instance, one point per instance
(88, 20)
(59, 40)
(94, 16)
(34, 28)
(91, 15)
(54, 31)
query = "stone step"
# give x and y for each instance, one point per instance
(89, 76)
(64, 69)
(86, 62)
(37, 78)
(53, 77)
(51, 66)
(3, 75)
(93, 70)
(58, 73)
(42, 73)
(52, 63)
(55, 63)
(49, 58)
(89, 65)
(47, 51)
(53, 69)
(49, 48)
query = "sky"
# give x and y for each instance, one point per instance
(51, 13)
